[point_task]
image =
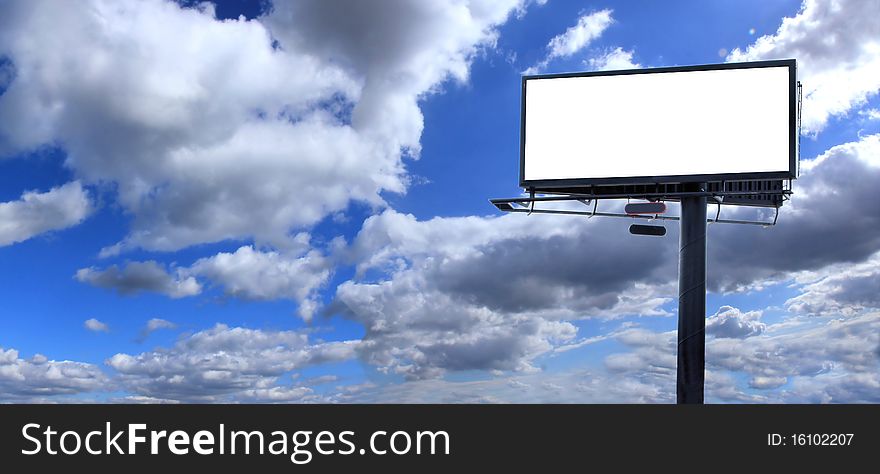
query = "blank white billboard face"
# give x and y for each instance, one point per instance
(704, 122)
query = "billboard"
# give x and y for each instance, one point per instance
(711, 123)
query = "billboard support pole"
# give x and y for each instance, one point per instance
(692, 298)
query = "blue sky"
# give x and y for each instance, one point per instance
(249, 202)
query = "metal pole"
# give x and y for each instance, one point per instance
(692, 298)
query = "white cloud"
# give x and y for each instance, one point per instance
(731, 322)
(653, 356)
(613, 59)
(588, 28)
(400, 50)
(246, 273)
(837, 45)
(211, 132)
(829, 360)
(223, 362)
(38, 377)
(420, 333)
(35, 213)
(95, 325)
(154, 325)
(251, 274)
(840, 289)
(135, 277)
(865, 152)
(792, 361)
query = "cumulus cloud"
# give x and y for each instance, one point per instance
(247, 273)
(837, 45)
(39, 377)
(135, 277)
(95, 325)
(613, 59)
(235, 129)
(420, 333)
(519, 264)
(35, 212)
(400, 49)
(163, 105)
(492, 293)
(731, 322)
(221, 363)
(588, 28)
(252, 274)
